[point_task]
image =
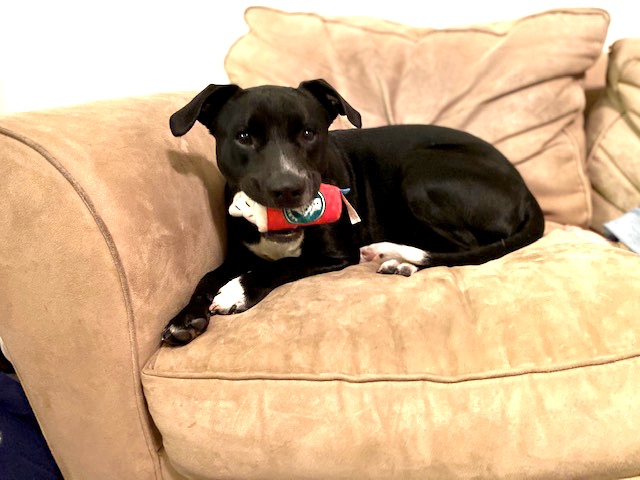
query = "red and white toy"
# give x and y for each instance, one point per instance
(326, 207)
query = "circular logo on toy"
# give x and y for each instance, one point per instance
(307, 214)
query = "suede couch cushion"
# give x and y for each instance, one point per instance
(525, 367)
(516, 84)
(613, 136)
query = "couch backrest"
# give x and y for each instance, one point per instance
(516, 84)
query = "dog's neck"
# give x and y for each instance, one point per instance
(273, 250)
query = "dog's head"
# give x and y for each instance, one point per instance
(270, 141)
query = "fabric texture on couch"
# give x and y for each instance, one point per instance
(515, 84)
(613, 136)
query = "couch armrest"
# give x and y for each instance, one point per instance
(106, 224)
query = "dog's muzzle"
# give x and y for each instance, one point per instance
(288, 190)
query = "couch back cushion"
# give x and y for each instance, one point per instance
(613, 136)
(515, 84)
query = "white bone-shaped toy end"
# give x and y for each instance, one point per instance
(243, 206)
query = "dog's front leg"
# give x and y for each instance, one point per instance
(247, 289)
(193, 319)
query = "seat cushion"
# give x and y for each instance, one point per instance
(515, 84)
(526, 366)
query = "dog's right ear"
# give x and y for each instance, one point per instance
(331, 100)
(204, 107)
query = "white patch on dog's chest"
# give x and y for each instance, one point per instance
(272, 250)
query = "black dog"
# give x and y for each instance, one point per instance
(427, 195)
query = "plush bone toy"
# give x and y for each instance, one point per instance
(326, 207)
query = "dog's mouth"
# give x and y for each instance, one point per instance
(288, 203)
(285, 198)
(283, 236)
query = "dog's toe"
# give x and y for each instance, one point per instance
(389, 267)
(230, 298)
(184, 328)
(385, 251)
(406, 269)
(174, 335)
(394, 267)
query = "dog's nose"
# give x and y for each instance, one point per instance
(288, 191)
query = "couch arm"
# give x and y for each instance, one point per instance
(106, 224)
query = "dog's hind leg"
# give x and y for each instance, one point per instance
(395, 258)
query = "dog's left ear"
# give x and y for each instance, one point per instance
(204, 107)
(331, 100)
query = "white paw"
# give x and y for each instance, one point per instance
(384, 251)
(394, 267)
(230, 298)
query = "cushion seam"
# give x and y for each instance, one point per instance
(580, 162)
(617, 170)
(602, 132)
(429, 378)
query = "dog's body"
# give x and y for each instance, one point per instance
(426, 195)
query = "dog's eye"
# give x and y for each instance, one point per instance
(244, 138)
(308, 135)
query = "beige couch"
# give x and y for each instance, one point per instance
(525, 367)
